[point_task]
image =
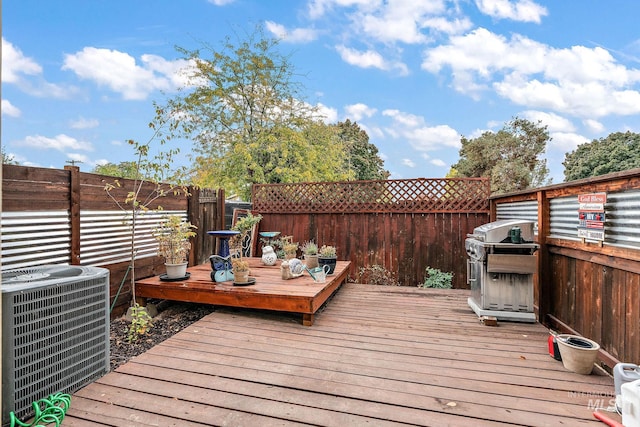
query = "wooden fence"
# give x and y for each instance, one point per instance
(54, 216)
(587, 287)
(401, 225)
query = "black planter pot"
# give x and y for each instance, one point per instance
(331, 262)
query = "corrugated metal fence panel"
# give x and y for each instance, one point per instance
(31, 238)
(525, 210)
(563, 221)
(622, 219)
(105, 236)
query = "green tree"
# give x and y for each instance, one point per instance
(244, 110)
(122, 170)
(617, 152)
(511, 157)
(362, 159)
(8, 159)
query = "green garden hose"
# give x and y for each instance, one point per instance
(47, 411)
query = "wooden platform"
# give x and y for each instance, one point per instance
(376, 356)
(300, 295)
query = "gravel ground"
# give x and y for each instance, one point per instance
(171, 319)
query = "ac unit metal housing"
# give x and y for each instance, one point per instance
(55, 332)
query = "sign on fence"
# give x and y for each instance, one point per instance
(591, 216)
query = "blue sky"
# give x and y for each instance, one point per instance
(79, 77)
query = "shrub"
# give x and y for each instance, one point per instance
(377, 275)
(437, 279)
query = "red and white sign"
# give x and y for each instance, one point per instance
(591, 215)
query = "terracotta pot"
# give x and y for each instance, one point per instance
(311, 261)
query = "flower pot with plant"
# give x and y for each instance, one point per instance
(328, 256)
(289, 247)
(240, 268)
(173, 236)
(310, 251)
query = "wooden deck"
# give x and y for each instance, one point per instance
(376, 356)
(300, 295)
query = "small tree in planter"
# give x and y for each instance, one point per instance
(328, 256)
(155, 170)
(173, 236)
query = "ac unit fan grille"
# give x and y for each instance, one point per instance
(55, 334)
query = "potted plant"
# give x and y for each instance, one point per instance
(240, 268)
(327, 256)
(290, 249)
(173, 236)
(241, 243)
(310, 251)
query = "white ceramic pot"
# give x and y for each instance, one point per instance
(176, 271)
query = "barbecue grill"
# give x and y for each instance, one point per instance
(500, 270)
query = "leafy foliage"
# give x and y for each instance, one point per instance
(377, 275)
(141, 321)
(436, 278)
(128, 170)
(243, 108)
(511, 157)
(362, 159)
(617, 152)
(173, 236)
(7, 159)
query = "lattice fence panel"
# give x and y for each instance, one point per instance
(460, 195)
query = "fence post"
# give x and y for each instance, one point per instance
(545, 287)
(74, 213)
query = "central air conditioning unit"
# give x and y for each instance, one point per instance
(55, 333)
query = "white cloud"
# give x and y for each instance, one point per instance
(439, 163)
(566, 141)
(517, 10)
(357, 111)
(27, 74)
(409, 163)
(369, 59)
(554, 122)
(119, 72)
(82, 123)
(297, 35)
(430, 138)
(406, 119)
(9, 109)
(317, 8)
(421, 136)
(593, 126)
(221, 2)
(580, 81)
(60, 142)
(330, 115)
(15, 64)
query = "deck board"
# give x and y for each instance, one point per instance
(375, 356)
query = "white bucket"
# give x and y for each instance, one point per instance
(578, 353)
